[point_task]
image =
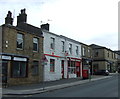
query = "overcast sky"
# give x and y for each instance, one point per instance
(87, 21)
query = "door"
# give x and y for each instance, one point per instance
(62, 68)
(78, 69)
(4, 72)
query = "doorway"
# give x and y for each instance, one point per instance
(4, 72)
(78, 69)
(62, 68)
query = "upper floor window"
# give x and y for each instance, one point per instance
(83, 50)
(52, 45)
(63, 46)
(70, 48)
(35, 44)
(112, 55)
(96, 53)
(115, 56)
(20, 41)
(77, 51)
(88, 52)
(108, 53)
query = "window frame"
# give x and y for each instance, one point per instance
(63, 46)
(83, 50)
(52, 43)
(37, 44)
(20, 40)
(20, 69)
(52, 65)
(77, 50)
(71, 67)
(70, 48)
(35, 68)
(96, 53)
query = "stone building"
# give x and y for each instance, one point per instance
(118, 59)
(104, 58)
(86, 54)
(21, 51)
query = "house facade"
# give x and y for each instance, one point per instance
(86, 53)
(63, 56)
(104, 58)
(21, 51)
(118, 59)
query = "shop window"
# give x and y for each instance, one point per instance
(35, 44)
(71, 67)
(20, 41)
(35, 68)
(19, 69)
(52, 65)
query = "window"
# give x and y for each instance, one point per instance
(83, 50)
(35, 44)
(70, 48)
(20, 41)
(52, 45)
(115, 56)
(96, 53)
(77, 51)
(108, 53)
(19, 69)
(95, 67)
(112, 55)
(52, 65)
(35, 68)
(63, 46)
(71, 67)
(88, 52)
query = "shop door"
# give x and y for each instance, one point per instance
(62, 68)
(4, 72)
(78, 69)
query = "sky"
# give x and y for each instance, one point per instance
(87, 21)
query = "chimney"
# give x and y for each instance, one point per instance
(9, 19)
(45, 26)
(22, 17)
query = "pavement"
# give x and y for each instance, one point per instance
(31, 89)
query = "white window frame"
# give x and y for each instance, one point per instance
(35, 41)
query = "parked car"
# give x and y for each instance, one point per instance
(102, 72)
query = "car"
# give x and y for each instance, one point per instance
(102, 72)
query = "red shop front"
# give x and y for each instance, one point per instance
(74, 67)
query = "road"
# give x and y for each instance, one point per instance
(101, 88)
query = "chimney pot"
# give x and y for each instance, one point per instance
(9, 19)
(45, 26)
(22, 16)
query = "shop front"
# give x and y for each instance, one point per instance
(74, 67)
(13, 66)
(87, 68)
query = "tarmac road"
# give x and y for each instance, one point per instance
(102, 88)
